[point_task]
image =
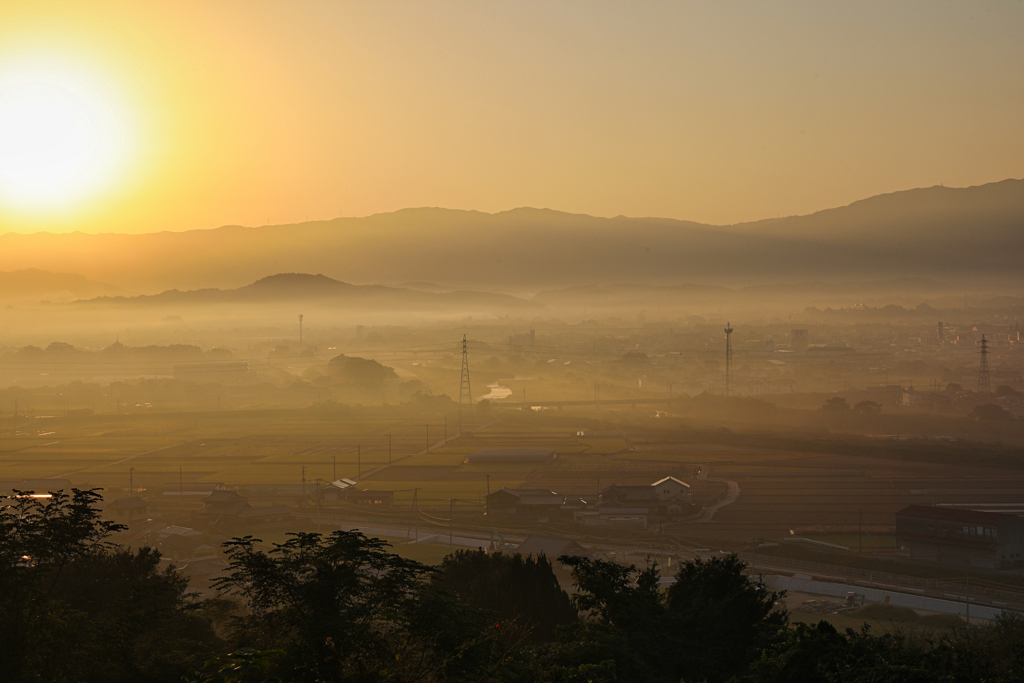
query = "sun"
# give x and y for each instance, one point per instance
(63, 136)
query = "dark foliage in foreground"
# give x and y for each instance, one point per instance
(343, 608)
(514, 588)
(76, 608)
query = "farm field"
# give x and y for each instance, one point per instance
(782, 492)
(237, 448)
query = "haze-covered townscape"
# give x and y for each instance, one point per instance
(456, 342)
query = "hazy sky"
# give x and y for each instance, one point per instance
(249, 112)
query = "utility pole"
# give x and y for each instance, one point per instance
(318, 504)
(465, 392)
(860, 531)
(728, 356)
(300, 330)
(968, 589)
(984, 383)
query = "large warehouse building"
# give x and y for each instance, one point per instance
(993, 540)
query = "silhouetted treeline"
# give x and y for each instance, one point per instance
(341, 607)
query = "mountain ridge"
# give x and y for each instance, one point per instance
(296, 287)
(924, 232)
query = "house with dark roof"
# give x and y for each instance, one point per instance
(525, 505)
(638, 506)
(346, 491)
(128, 510)
(973, 538)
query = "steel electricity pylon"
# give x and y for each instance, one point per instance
(465, 394)
(984, 383)
(728, 357)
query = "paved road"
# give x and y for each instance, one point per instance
(731, 494)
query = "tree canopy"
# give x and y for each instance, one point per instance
(365, 373)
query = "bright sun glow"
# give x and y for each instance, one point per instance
(63, 136)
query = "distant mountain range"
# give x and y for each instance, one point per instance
(938, 232)
(32, 285)
(297, 287)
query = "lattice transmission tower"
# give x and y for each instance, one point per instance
(984, 383)
(728, 356)
(465, 394)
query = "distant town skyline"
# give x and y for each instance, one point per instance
(126, 117)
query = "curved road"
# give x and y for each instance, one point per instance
(731, 494)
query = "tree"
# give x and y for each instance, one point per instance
(821, 653)
(836, 404)
(709, 626)
(515, 588)
(77, 607)
(954, 388)
(868, 408)
(39, 537)
(364, 373)
(729, 617)
(342, 607)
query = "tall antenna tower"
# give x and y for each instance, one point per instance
(300, 330)
(465, 395)
(728, 356)
(984, 384)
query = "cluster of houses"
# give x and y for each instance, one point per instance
(636, 507)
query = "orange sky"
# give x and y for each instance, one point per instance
(251, 112)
